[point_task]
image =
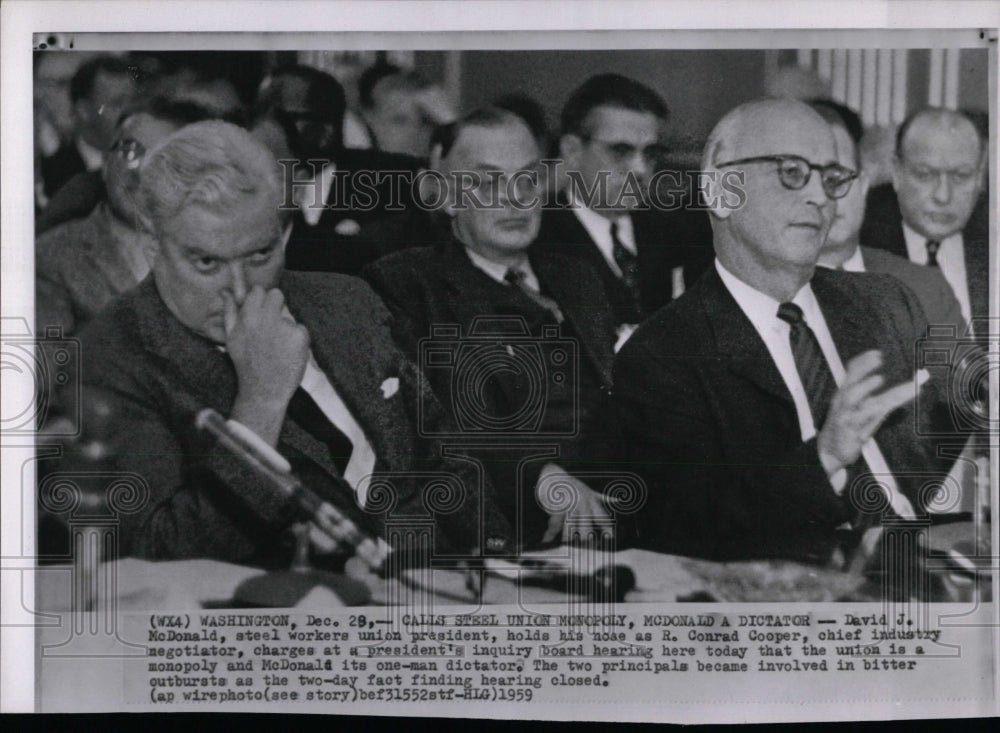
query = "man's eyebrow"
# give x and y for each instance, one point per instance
(490, 167)
(195, 251)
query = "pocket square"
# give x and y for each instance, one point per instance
(390, 387)
(347, 228)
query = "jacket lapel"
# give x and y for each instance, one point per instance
(586, 322)
(851, 330)
(355, 369)
(201, 365)
(737, 340)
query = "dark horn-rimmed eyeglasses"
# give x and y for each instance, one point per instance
(794, 173)
(130, 150)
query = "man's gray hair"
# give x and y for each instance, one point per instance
(212, 164)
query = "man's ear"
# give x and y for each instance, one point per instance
(863, 183)
(150, 249)
(897, 166)
(722, 191)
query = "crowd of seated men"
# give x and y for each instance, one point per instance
(433, 325)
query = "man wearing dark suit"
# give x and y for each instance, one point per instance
(305, 363)
(762, 404)
(933, 213)
(338, 191)
(611, 128)
(842, 249)
(491, 274)
(100, 89)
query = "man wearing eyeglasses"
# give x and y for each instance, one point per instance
(933, 213)
(842, 249)
(81, 265)
(611, 132)
(763, 404)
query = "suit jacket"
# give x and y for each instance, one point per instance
(204, 503)
(883, 229)
(59, 167)
(439, 285)
(372, 186)
(79, 270)
(927, 283)
(74, 200)
(664, 241)
(712, 428)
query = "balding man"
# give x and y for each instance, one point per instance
(749, 405)
(305, 362)
(933, 213)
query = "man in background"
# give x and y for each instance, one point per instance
(611, 131)
(338, 191)
(517, 307)
(933, 213)
(401, 109)
(83, 264)
(842, 249)
(99, 91)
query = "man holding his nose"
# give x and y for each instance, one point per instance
(765, 405)
(304, 362)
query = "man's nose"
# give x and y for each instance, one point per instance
(942, 189)
(237, 282)
(639, 165)
(815, 193)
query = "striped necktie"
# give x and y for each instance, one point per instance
(933, 246)
(518, 278)
(810, 362)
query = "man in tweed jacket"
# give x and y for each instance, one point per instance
(220, 324)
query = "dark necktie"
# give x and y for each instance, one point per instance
(304, 411)
(518, 278)
(810, 362)
(933, 246)
(627, 262)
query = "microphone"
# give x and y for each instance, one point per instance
(606, 583)
(270, 465)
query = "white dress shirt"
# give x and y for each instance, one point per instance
(91, 156)
(854, 263)
(306, 194)
(951, 262)
(362, 460)
(599, 229)
(762, 310)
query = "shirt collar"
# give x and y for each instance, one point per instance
(498, 272)
(599, 227)
(92, 157)
(916, 244)
(854, 263)
(762, 309)
(495, 270)
(305, 194)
